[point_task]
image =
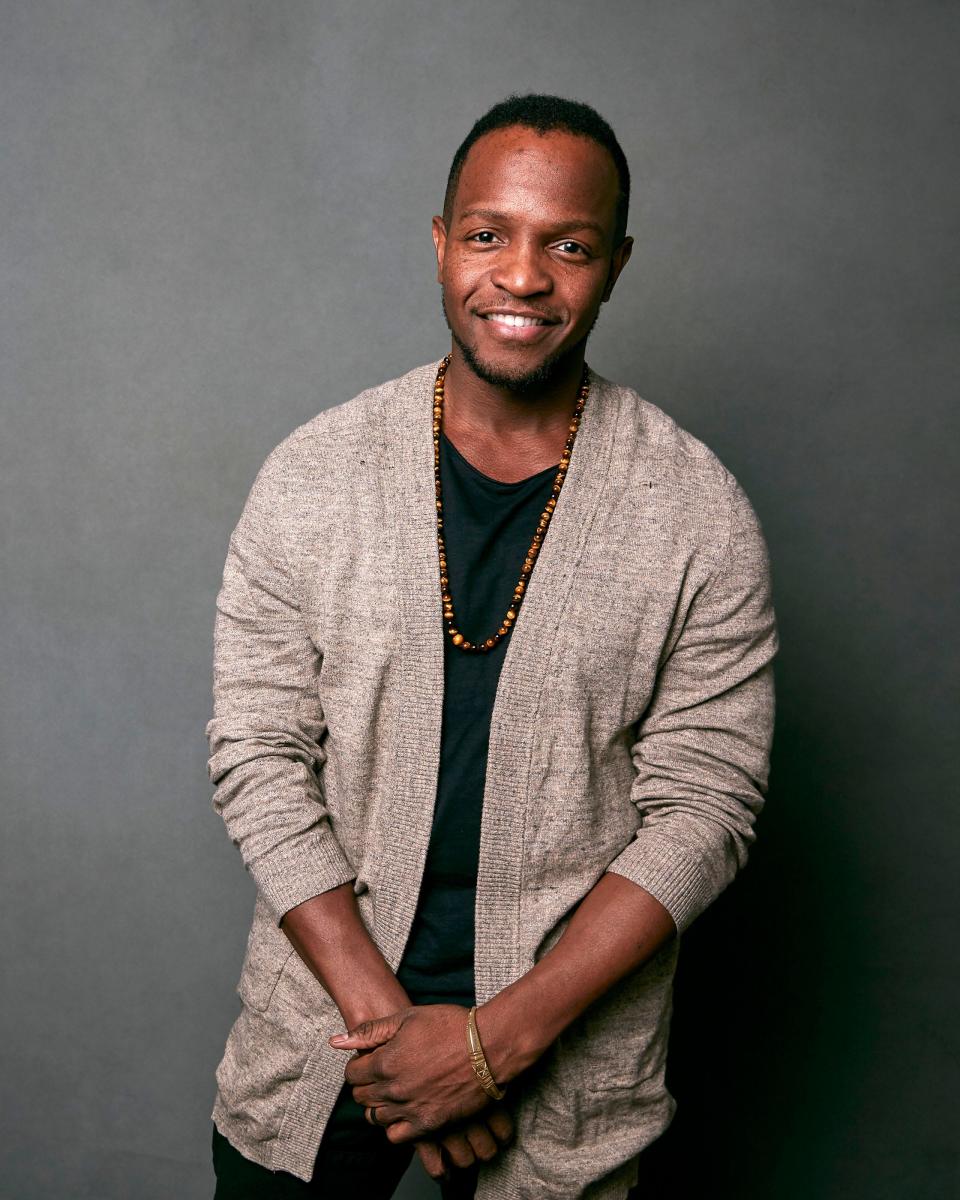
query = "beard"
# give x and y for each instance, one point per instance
(545, 373)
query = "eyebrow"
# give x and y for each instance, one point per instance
(489, 214)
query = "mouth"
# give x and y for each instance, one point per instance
(515, 326)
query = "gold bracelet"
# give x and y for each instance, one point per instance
(478, 1059)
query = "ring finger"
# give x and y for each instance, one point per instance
(382, 1113)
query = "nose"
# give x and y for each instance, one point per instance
(521, 269)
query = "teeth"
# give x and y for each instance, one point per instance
(509, 319)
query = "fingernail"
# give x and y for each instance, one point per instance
(340, 1037)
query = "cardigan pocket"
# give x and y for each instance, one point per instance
(256, 987)
(268, 951)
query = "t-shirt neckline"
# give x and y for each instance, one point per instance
(497, 483)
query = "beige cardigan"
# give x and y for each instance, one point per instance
(631, 732)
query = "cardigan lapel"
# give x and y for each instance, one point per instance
(497, 961)
(407, 418)
(407, 411)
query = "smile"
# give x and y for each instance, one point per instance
(516, 329)
(514, 321)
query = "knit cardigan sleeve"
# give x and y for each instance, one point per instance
(702, 747)
(267, 726)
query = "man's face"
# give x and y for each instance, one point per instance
(528, 257)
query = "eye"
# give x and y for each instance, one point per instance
(569, 247)
(484, 237)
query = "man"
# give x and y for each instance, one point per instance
(493, 711)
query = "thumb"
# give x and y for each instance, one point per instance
(368, 1034)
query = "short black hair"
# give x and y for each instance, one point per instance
(545, 114)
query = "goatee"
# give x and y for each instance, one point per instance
(554, 367)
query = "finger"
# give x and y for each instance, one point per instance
(382, 1092)
(482, 1142)
(368, 1033)
(364, 1069)
(367, 1095)
(403, 1131)
(500, 1124)
(432, 1160)
(382, 1113)
(458, 1149)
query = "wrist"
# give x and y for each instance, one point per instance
(369, 1003)
(512, 1039)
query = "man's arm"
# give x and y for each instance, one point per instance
(702, 754)
(702, 759)
(616, 927)
(330, 936)
(265, 741)
(266, 731)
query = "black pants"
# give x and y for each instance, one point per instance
(355, 1161)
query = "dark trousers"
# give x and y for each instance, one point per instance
(355, 1161)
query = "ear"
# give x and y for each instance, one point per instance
(621, 256)
(440, 243)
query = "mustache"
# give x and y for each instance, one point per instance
(532, 309)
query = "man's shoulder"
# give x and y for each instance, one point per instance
(371, 407)
(689, 486)
(657, 441)
(325, 441)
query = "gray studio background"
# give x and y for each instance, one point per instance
(214, 222)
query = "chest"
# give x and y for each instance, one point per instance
(596, 617)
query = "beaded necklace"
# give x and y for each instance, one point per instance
(518, 592)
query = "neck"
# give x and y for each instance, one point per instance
(500, 413)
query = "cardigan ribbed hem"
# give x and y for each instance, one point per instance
(670, 872)
(298, 870)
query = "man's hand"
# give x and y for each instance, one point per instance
(418, 1074)
(481, 1137)
(462, 1143)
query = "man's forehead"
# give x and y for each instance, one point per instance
(557, 172)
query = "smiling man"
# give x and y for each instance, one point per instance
(493, 706)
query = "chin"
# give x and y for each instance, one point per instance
(519, 378)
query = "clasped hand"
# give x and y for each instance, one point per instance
(414, 1070)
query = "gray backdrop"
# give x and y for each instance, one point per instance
(215, 222)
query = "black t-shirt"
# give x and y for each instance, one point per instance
(488, 527)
